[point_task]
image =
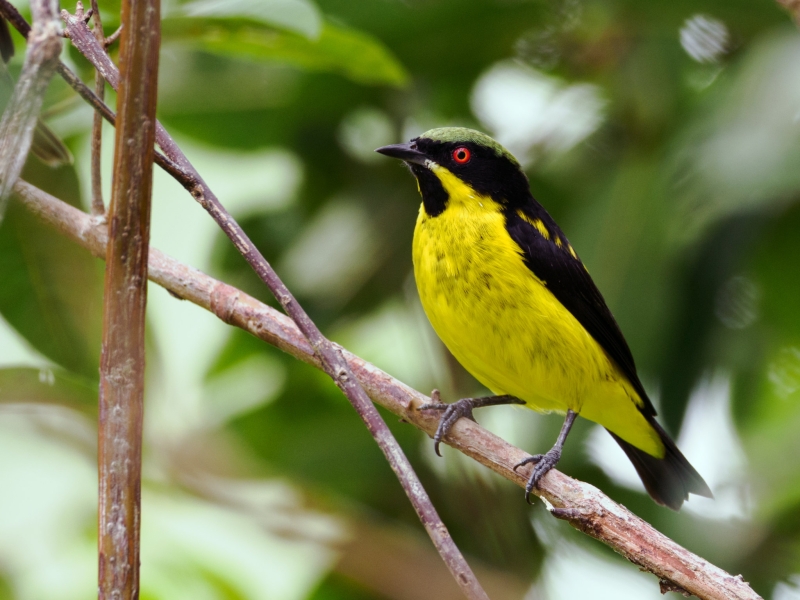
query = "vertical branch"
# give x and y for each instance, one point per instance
(19, 119)
(98, 206)
(122, 360)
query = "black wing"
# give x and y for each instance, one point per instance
(552, 260)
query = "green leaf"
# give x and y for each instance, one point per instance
(51, 290)
(300, 16)
(354, 54)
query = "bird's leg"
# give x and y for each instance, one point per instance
(545, 462)
(460, 408)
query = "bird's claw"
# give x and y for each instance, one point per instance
(452, 413)
(526, 461)
(544, 462)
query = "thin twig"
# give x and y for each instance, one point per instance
(12, 15)
(113, 37)
(98, 206)
(122, 363)
(334, 364)
(582, 505)
(19, 119)
(83, 90)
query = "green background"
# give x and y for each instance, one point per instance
(664, 137)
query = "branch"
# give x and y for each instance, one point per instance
(585, 507)
(122, 362)
(12, 15)
(98, 206)
(330, 357)
(19, 119)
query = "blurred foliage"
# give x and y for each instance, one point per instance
(51, 289)
(336, 49)
(663, 137)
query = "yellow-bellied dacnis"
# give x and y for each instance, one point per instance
(510, 298)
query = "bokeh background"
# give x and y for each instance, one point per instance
(664, 137)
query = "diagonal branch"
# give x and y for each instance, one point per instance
(329, 355)
(12, 15)
(19, 119)
(582, 505)
(122, 367)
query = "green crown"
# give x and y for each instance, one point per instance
(463, 134)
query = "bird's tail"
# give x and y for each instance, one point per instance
(668, 480)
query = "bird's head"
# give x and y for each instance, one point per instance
(456, 162)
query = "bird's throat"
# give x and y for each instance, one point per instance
(434, 196)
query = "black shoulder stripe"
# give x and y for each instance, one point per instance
(564, 275)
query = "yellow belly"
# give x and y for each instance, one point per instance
(507, 329)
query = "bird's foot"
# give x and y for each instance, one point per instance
(452, 413)
(544, 462)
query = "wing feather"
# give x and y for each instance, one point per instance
(550, 257)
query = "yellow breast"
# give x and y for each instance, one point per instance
(503, 324)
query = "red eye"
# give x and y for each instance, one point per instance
(461, 155)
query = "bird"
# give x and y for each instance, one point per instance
(511, 299)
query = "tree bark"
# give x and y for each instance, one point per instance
(122, 362)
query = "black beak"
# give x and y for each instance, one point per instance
(406, 152)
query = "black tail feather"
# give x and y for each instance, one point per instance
(668, 480)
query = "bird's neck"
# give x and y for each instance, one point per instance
(442, 190)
